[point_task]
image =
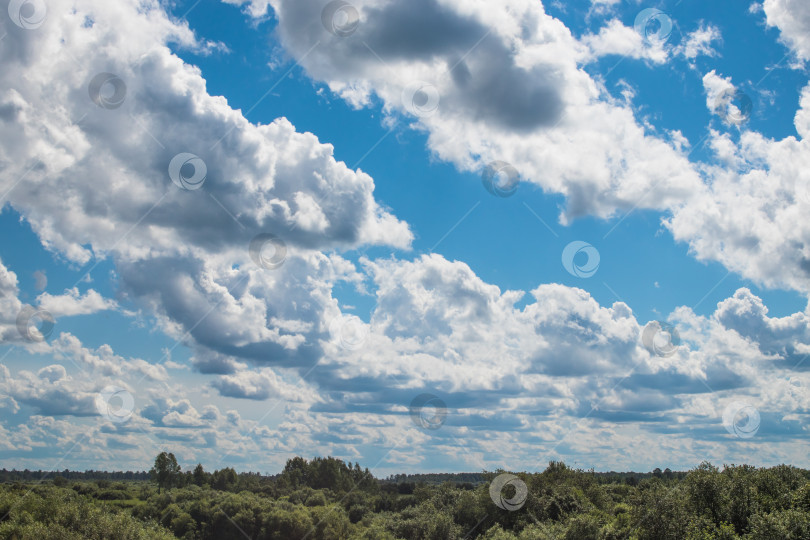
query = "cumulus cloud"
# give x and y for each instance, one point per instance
(72, 302)
(10, 305)
(617, 39)
(525, 375)
(96, 182)
(492, 85)
(260, 385)
(100, 174)
(751, 217)
(103, 361)
(50, 392)
(792, 17)
(630, 168)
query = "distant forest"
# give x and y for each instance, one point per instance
(329, 499)
(631, 478)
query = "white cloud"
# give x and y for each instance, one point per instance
(256, 8)
(628, 165)
(617, 39)
(792, 17)
(75, 193)
(10, 305)
(260, 384)
(103, 361)
(506, 85)
(700, 42)
(74, 303)
(95, 182)
(750, 218)
(51, 392)
(514, 380)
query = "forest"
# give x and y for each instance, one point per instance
(329, 499)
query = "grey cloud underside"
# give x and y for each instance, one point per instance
(488, 85)
(206, 325)
(261, 179)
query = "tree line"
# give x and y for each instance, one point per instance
(327, 498)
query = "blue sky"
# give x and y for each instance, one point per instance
(401, 274)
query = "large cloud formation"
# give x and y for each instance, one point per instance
(87, 164)
(90, 172)
(486, 85)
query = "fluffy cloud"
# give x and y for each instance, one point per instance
(10, 305)
(751, 217)
(95, 181)
(496, 85)
(260, 385)
(792, 17)
(616, 38)
(50, 392)
(470, 122)
(559, 375)
(72, 302)
(101, 173)
(700, 42)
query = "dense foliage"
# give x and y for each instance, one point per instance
(328, 499)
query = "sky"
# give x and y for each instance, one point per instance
(425, 236)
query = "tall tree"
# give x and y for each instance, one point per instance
(166, 470)
(199, 475)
